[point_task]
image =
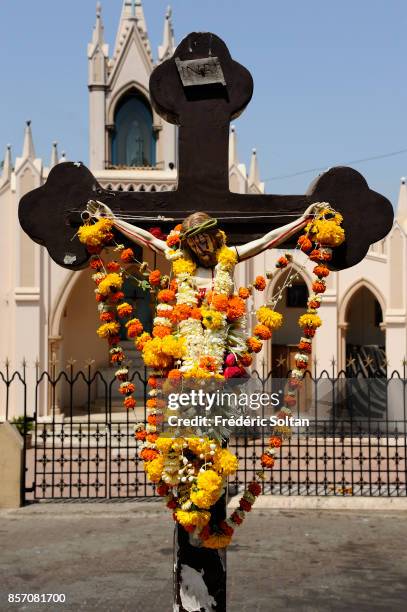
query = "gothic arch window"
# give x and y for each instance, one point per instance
(133, 140)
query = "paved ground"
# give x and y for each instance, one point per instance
(118, 557)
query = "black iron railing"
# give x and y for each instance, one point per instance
(79, 443)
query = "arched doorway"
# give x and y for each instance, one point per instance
(365, 336)
(133, 140)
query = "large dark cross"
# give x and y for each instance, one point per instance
(201, 89)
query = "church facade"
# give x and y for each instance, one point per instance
(47, 314)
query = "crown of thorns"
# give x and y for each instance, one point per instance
(199, 229)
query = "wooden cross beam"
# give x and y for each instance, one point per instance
(201, 89)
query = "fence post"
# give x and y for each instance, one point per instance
(11, 466)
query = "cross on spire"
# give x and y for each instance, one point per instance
(132, 5)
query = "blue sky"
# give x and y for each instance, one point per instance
(330, 78)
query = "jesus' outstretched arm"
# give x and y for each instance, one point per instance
(275, 237)
(136, 234)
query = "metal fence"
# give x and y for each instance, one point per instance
(79, 444)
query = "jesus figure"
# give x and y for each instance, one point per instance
(202, 238)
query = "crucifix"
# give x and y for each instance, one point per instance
(201, 89)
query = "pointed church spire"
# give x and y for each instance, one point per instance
(54, 155)
(132, 13)
(233, 158)
(97, 37)
(7, 168)
(28, 147)
(254, 177)
(401, 214)
(168, 45)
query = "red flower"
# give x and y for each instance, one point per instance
(236, 518)
(254, 488)
(162, 489)
(172, 504)
(227, 529)
(113, 266)
(158, 233)
(245, 505)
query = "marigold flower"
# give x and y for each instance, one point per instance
(174, 285)
(154, 278)
(97, 234)
(113, 266)
(275, 442)
(208, 363)
(212, 319)
(236, 308)
(309, 321)
(134, 328)
(227, 257)
(173, 239)
(282, 262)
(269, 317)
(106, 316)
(148, 454)
(305, 346)
(116, 297)
(140, 435)
(304, 243)
(196, 313)
(318, 286)
(329, 233)
(174, 375)
(159, 331)
(254, 344)
(259, 283)
(96, 263)
(110, 284)
(246, 359)
(192, 518)
(108, 329)
(126, 388)
(321, 271)
(244, 293)
(124, 310)
(267, 461)
(127, 256)
(262, 331)
(166, 295)
(225, 462)
(181, 312)
(129, 402)
(183, 266)
(218, 301)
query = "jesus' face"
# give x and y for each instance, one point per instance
(204, 247)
